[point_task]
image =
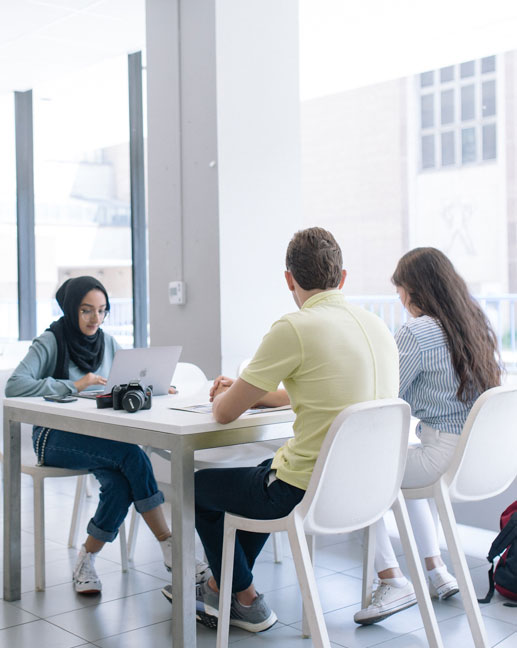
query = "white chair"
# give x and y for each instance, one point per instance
(364, 440)
(39, 474)
(192, 382)
(484, 465)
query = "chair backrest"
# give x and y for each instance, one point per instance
(11, 353)
(242, 366)
(189, 379)
(359, 469)
(485, 461)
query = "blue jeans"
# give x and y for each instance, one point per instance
(123, 470)
(243, 491)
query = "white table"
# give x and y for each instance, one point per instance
(180, 432)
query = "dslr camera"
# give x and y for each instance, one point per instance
(132, 397)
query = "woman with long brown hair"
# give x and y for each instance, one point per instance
(448, 357)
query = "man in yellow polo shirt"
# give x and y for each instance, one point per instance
(329, 355)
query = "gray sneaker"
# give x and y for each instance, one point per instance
(254, 618)
(207, 605)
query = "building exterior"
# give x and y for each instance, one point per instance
(422, 160)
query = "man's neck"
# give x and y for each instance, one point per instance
(304, 295)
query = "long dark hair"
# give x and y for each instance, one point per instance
(436, 289)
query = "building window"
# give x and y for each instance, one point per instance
(458, 114)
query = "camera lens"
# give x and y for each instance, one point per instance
(133, 400)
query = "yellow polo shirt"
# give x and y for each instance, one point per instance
(329, 355)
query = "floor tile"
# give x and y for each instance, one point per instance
(62, 598)
(497, 610)
(38, 633)
(114, 617)
(131, 612)
(268, 575)
(276, 637)
(159, 636)
(336, 591)
(509, 642)
(11, 615)
(456, 632)
(343, 631)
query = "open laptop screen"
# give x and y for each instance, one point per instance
(151, 366)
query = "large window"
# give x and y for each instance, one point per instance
(82, 190)
(458, 114)
(8, 276)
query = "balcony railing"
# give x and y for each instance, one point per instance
(500, 309)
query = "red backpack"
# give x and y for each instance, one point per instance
(503, 577)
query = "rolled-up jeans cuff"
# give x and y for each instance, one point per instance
(99, 534)
(144, 505)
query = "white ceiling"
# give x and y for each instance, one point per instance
(343, 44)
(42, 40)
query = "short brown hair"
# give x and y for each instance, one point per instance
(314, 258)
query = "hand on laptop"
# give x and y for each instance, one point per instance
(88, 380)
(221, 384)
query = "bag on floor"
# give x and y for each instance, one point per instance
(503, 577)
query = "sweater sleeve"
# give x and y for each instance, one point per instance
(32, 377)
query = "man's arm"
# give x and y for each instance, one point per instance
(276, 398)
(230, 402)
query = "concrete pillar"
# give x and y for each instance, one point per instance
(223, 171)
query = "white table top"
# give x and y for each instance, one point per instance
(160, 418)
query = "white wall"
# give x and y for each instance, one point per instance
(463, 212)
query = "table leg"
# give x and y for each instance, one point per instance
(183, 550)
(12, 502)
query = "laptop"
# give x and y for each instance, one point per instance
(151, 366)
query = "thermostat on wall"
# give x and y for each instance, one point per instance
(177, 291)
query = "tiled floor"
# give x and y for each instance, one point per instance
(132, 613)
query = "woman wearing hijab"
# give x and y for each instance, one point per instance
(72, 355)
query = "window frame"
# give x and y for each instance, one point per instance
(457, 125)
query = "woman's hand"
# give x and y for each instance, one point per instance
(221, 384)
(89, 379)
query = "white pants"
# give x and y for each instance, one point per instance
(426, 461)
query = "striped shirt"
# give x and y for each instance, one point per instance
(428, 381)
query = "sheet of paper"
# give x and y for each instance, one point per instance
(206, 408)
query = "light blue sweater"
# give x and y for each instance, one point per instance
(32, 377)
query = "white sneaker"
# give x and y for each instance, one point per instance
(203, 571)
(386, 600)
(85, 577)
(442, 585)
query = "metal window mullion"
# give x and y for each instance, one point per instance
(137, 183)
(24, 137)
(438, 126)
(457, 118)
